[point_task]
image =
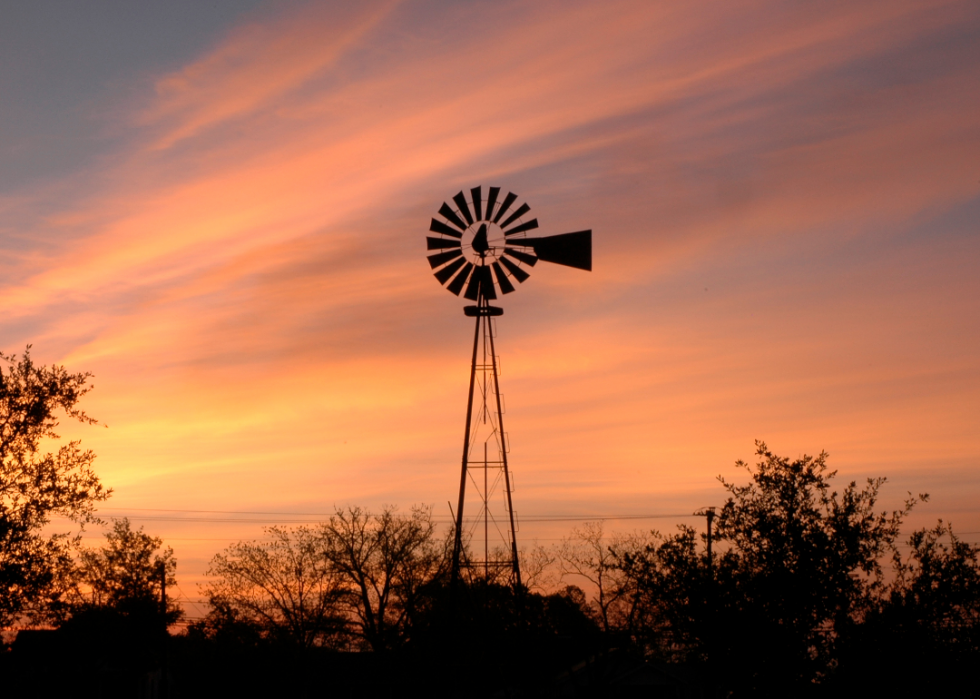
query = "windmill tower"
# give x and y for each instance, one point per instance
(482, 245)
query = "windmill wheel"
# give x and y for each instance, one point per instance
(481, 244)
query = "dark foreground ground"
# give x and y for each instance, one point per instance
(50, 664)
(110, 664)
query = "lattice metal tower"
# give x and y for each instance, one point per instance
(481, 246)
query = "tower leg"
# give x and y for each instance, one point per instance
(458, 541)
(483, 331)
(503, 455)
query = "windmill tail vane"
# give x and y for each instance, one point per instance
(481, 245)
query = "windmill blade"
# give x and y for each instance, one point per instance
(524, 208)
(508, 200)
(502, 280)
(440, 243)
(569, 249)
(450, 215)
(477, 203)
(446, 272)
(442, 258)
(456, 285)
(481, 283)
(519, 274)
(473, 288)
(438, 226)
(463, 208)
(524, 257)
(486, 284)
(491, 200)
(530, 225)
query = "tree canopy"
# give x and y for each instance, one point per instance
(36, 486)
(385, 562)
(280, 589)
(126, 575)
(800, 586)
(809, 589)
(802, 562)
(353, 580)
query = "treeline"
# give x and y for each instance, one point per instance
(810, 590)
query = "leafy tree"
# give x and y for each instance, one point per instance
(673, 620)
(800, 563)
(805, 560)
(282, 589)
(928, 616)
(937, 589)
(36, 485)
(125, 575)
(114, 612)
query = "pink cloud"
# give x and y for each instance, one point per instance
(248, 280)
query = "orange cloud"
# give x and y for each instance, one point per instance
(766, 185)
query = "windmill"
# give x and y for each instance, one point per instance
(482, 246)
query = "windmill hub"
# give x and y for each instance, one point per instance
(483, 243)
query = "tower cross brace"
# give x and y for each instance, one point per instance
(485, 378)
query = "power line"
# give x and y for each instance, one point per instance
(183, 595)
(523, 520)
(216, 512)
(436, 519)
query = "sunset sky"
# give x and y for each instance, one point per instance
(219, 209)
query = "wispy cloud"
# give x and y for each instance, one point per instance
(773, 190)
(257, 64)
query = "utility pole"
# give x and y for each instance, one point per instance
(163, 590)
(710, 637)
(164, 685)
(709, 514)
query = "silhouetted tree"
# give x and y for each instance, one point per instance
(357, 578)
(384, 562)
(283, 589)
(672, 619)
(525, 638)
(125, 575)
(592, 556)
(538, 568)
(114, 618)
(35, 485)
(927, 618)
(799, 563)
(936, 590)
